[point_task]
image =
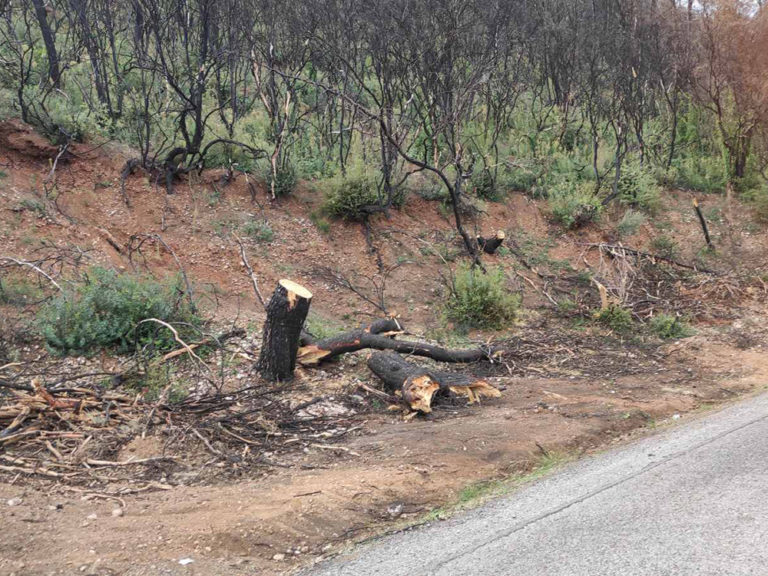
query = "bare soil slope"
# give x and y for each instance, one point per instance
(568, 385)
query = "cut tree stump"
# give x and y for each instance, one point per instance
(286, 312)
(490, 245)
(418, 385)
(380, 336)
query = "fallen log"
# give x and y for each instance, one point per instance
(418, 385)
(286, 312)
(490, 245)
(384, 326)
(320, 351)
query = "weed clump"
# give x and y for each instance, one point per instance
(573, 204)
(480, 299)
(284, 181)
(259, 231)
(105, 312)
(664, 246)
(486, 188)
(630, 223)
(668, 327)
(615, 317)
(354, 196)
(637, 187)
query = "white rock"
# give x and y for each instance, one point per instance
(185, 561)
(117, 512)
(15, 501)
(278, 557)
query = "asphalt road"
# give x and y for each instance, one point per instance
(690, 500)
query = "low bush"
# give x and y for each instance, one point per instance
(638, 188)
(630, 222)
(520, 179)
(668, 327)
(700, 173)
(480, 299)
(664, 246)
(285, 181)
(485, 187)
(757, 199)
(351, 197)
(573, 204)
(259, 231)
(104, 312)
(615, 317)
(321, 223)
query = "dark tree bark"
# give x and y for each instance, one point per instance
(286, 312)
(490, 245)
(354, 340)
(50, 45)
(419, 385)
(703, 222)
(383, 326)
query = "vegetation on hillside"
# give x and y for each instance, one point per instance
(584, 101)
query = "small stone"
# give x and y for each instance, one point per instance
(185, 561)
(395, 510)
(15, 501)
(117, 512)
(278, 557)
(92, 517)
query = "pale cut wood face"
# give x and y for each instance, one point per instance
(295, 288)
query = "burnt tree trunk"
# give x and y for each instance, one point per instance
(418, 385)
(703, 222)
(490, 245)
(286, 312)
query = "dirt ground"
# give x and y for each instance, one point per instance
(575, 389)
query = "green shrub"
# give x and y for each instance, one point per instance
(664, 246)
(285, 181)
(757, 198)
(630, 222)
(320, 222)
(668, 327)
(104, 313)
(615, 317)
(484, 186)
(573, 204)
(351, 197)
(637, 187)
(518, 179)
(700, 173)
(480, 299)
(259, 231)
